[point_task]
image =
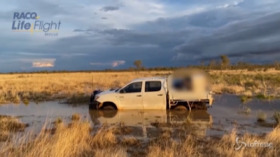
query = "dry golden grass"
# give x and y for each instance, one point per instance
(167, 147)
(245, 71)
(192, 146)
(77, 87)
(67, 141)
(9, 125)
(74, 86)
(76, 139)
(111, 152)
(225, 146)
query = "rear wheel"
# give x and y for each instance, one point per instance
(180, 107)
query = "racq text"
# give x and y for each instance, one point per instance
(29, 21)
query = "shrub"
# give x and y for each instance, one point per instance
(276, 116)
(58, 121)
(76, 117)
(245, 99)
(261, 117)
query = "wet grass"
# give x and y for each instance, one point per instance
(9, 125)
(245, 110)
(79, 139)
(265, 97)
(244, 99)
(276, 116)
(58, 121)
(75, 117)
(261, 116)
(75, 99)
(260, 85)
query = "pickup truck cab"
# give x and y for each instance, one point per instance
(156, 93)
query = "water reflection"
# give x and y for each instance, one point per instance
(152, 122)
(228, 112)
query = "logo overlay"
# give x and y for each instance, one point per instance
(239, 144)
(31, 22)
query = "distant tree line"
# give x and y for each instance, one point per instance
(223, 63)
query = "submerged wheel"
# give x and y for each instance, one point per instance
(180, 107)
(108, 107)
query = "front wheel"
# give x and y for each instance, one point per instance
(108, 107)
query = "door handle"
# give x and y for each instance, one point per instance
(160, 94)
(138, 95)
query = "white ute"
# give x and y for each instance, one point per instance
(156, 93)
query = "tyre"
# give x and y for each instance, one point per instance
(180, 107)
(108, 107)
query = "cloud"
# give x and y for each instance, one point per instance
(112, 64)
(160, 33)
(39, 62)
(110, 8)
(257, 36)
(43, 63)
(117, 63)
(182, 40)
(232, 4)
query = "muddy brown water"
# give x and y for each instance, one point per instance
(227, 113)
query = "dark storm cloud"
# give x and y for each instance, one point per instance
(176, 30)
(253, 36)
(243, 30)
(137, 38)
(197, 37)
(109, 8)
(249, 55)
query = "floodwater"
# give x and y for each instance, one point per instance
(227, 113)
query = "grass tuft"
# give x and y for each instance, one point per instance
(261, 116)
(75, 117)
(276, 116)
(8, 125)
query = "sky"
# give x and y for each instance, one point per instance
(112, 34)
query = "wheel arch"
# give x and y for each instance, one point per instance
(109, 103)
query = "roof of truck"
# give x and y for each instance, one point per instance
(149, 79)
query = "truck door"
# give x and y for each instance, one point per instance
(154, 96)
(131, 97)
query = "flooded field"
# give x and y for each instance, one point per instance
(58, 129)
(227, 113)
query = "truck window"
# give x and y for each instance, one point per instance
(132, 88)
(152, 86)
